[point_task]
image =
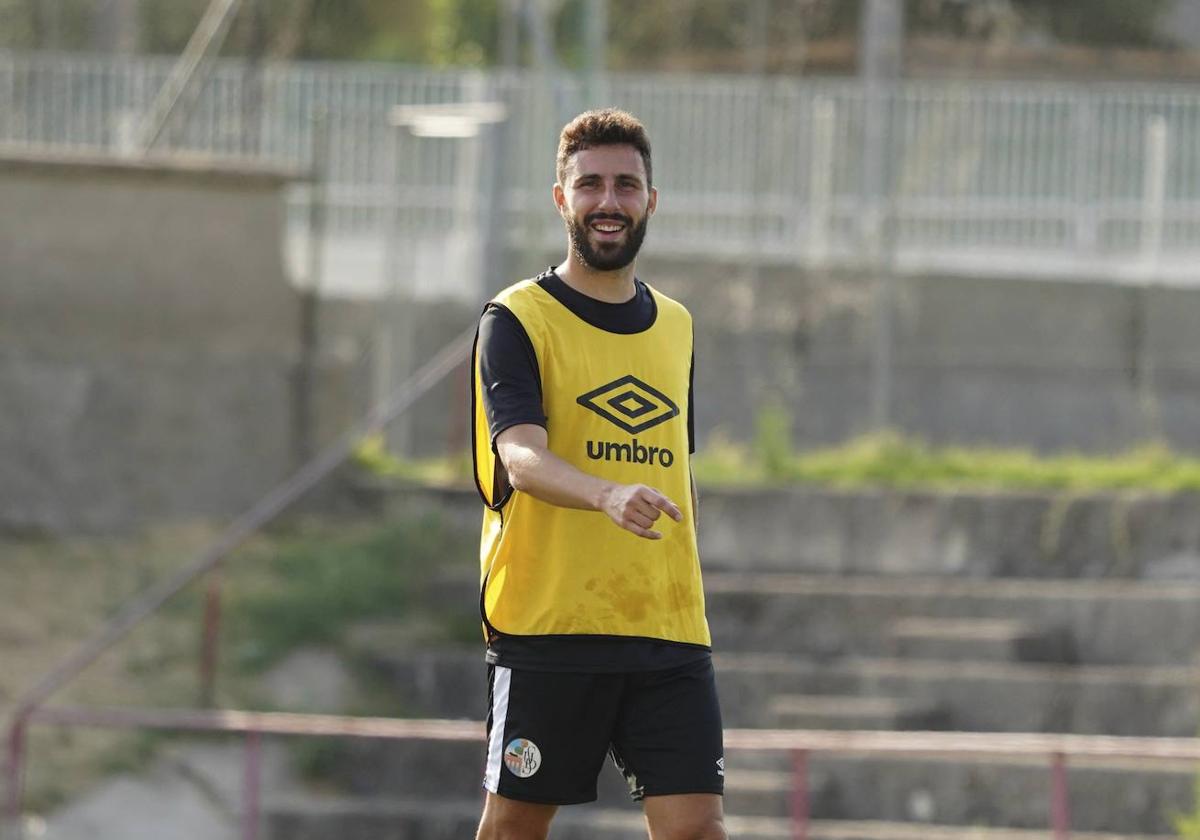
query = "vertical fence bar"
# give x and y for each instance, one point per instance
(1154, 192)
(16, 777)
(211, 639)
(1060, 803)
(820, 179)
(252, 786)
(1084, 175)
(800, 799)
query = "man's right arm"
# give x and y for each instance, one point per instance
(532, 468)
(512, 400)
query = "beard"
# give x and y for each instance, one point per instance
(608, 256)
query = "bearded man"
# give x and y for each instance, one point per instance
(591, 597)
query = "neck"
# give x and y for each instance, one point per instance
(608, 286)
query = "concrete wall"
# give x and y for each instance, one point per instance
(1054, 366)
(976, 535)
(148, 341)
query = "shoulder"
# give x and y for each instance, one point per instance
(528, 303)
(669, 307)
(519, 295)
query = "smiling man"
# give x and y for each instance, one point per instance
(591, 598)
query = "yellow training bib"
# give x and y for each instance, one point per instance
(616, 408)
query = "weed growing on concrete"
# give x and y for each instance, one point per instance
(313, 589)
(890, 460)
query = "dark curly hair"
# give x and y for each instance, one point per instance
(605, 127)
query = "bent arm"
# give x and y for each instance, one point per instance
(532, 468)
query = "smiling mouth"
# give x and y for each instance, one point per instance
(607, 228)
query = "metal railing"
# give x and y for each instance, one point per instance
(1044, 178)
(1057, 749)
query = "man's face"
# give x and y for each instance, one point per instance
(606, 204)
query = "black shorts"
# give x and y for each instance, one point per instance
(548, 733)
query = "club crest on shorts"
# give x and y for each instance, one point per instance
(522, 757)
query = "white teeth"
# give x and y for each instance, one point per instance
(608, 228)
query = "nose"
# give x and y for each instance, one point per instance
(609, 198)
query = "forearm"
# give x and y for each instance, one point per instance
(532, 468)
(545, 476)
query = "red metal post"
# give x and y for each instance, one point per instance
(16, 775)
(1060, 803)
(211, 638)
(800, 800)
(251, 782)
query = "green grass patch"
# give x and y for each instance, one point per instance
(891, 460)
(373, 457)
(310, 588)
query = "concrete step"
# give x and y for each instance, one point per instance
(1113, 795)
(1110, 795)
(831, 711)
(1096, 622)
(872, 830)
(979, 640)
(1106, 622)
(321, 819)
(1112, 700)
(1002, 697)
(966, 534)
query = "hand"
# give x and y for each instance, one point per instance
(636, 507)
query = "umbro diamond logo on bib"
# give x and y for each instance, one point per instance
(630, 404)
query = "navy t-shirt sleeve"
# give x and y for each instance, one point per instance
(509, 377)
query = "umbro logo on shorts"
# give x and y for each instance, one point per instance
(721, 766)
(630, 404)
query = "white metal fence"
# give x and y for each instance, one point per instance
(1054, 179)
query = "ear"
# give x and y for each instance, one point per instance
(653, 202)
(560, 198)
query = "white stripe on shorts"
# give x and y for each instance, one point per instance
(495, 757)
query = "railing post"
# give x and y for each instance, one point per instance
(1154, 193)
(16, 777)
(820, 180)
(1086, 143)
(251, 786)
(211, 639)
(800, 800)
(1060, 803)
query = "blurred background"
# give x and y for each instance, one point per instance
(854, 194)
(942, 257)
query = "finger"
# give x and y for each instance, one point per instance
(663, 503)
(649, 511)
(643, 532)
(640, 519)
